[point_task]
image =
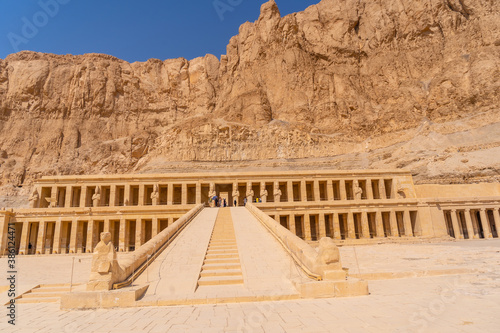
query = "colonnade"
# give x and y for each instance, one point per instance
(350, 224)
(469, 223)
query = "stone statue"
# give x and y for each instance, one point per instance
(212, 193)
(96, 198)
(104, 264)
(277, 193)
(34, 198)
(358, 191)
(328, 251)
(235, 194)
(400, 190)
(155, 195)
(249, 193)
(263, 192)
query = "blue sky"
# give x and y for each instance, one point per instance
(128, 29)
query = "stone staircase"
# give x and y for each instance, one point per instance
(221, 265)
(45, 293)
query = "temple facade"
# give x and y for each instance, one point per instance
(67, 213)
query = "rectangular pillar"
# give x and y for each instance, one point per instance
(291, 222)
(322, 227)
(53, 197)
(454, 222)
(40, 242)
(303, 190)
(316, 191)
(365, 229)
(307, 227)
(394, 223)
(485, 224)
(83, 196)
(496, 217)
(142, 190)
(139, 233)
(57, 237)
(106, 227)
(90, 236)
(67, 200)
(23, 248)
(154, 227)
(381, 189)
(184, 194)
(170, 194)
(289, 189)
(336, 226)
(198, 193)
(122, 235)
(343, 192)
(369, 189)
(468, 222)
(72, 237)
(112, 196)
(407, 223)
(329, 190)
(379, 224)
(126, 195)
(351, 230)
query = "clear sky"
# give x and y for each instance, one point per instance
(132, 30)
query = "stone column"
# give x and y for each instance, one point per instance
(365, 229)
(83, 196)
(454, 222)
(468, 222)
(90, 236)
(321, 226)
(496, 217)
(369, 189)
(184, 194)
(336, 226)
(329, 190)
(407, 223)
(277, 198)
(154, 227)
(485, 223)
(106, 228)
(307, 227)
(69, 196)
(289, 189)
(379, 224)
(394, 224)
(139, 233)
(343, 192)
(317, 192)
(112, 197)
(122, 235)
(303, 190)
(57, 237)
(72, 237)
(291, 223)
(170, 194)
(40, 242)
(54, 200)
(23, 248)
(381, 189)
(198, 193)
(126, 195)
(351, 230)
(142, 190)
(263, 198)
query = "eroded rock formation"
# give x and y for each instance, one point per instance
(343, 84)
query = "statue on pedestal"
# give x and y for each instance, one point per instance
(96, 198)
(34, 198)
(277, 193)
(358, 191)
(263, 193)
(155, 195)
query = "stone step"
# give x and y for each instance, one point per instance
(221, 266)
(38, 300)
(221, 256)
(216, 280)
(221, 272)
(34, 294)
(229, 251)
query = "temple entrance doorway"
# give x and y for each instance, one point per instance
(224, 191)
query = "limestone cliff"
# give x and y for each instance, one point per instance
(343, 84)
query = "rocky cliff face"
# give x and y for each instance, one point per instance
(343, 84)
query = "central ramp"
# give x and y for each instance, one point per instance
(224, 255)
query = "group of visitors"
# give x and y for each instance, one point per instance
(219, 202)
